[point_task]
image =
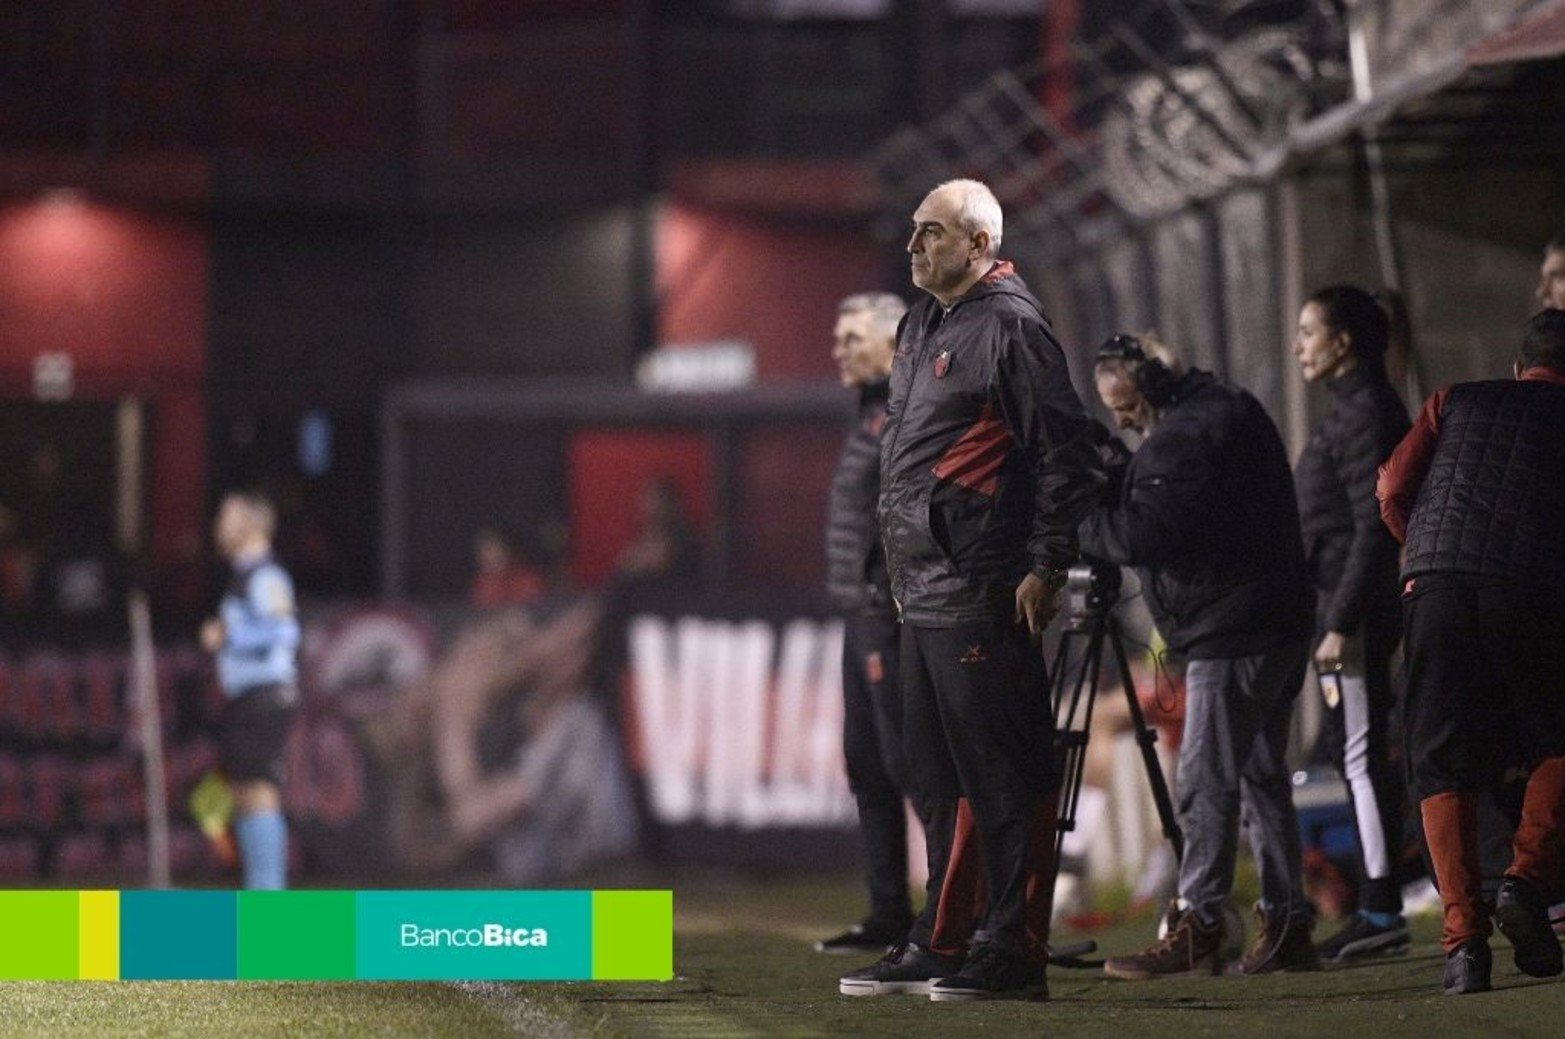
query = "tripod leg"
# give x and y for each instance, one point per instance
(1071, 723)
(1146, 739)
(1071, 739)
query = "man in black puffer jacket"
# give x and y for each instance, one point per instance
(986, 470)
(1476, 491)
(1207, 516)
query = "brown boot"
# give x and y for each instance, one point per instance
(1282, 942)
(1190, 947)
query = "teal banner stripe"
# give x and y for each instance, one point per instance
(178, 935)
(474, 935)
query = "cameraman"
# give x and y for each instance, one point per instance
(1207, 514)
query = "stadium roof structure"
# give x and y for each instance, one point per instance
(1177, 105)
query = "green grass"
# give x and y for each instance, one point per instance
(745, 969)
(213, 1009)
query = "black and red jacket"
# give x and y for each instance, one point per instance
(986, 459)
(856, 577)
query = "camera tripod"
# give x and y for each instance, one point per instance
(1089, 623)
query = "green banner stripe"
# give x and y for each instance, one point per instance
(42, 938)
(632, 935)
(296, 935)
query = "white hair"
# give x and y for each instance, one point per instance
(977, 210)
(885, 310)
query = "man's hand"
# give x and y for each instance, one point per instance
(213, 635)
(1328, 655)
(1036, 603)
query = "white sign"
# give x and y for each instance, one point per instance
(734, 730)
(54, 376)
(698, 368)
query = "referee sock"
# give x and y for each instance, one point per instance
(263, 850)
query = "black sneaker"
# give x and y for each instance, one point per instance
(991, 973)
(1361, 938)
(1522, 915)
(905, 969)
(1467, 968)
(870, 936)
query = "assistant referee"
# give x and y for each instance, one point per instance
(255, 638)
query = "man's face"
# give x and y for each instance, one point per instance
(861, 355)
(1117, 389)
(940, 253)
(1551, 280)
(232, 527)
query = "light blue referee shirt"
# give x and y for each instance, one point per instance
(260, 628)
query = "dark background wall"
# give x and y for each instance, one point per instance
(373, 191)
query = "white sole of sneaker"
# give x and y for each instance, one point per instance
(1032, 993)
(884, 988)
(1211, 970)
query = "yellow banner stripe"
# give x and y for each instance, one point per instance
(99, 944)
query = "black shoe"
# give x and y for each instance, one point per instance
(991, 973)
(1522, 915)
(868, 937)
(905, 969)
(1467, 968)
(1361, 938)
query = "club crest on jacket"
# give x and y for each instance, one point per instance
(942, 364)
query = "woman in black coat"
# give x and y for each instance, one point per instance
(1341, 342)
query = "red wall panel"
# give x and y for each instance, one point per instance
(609, 469)
(773, 284)
(125, 296)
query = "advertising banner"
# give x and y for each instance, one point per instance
(526, 745)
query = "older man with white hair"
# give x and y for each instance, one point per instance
(986, 464)
(863, 342)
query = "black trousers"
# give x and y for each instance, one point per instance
(977, 723)
(872, 748)
(1485, 668)
(254, 733)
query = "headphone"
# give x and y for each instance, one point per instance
(1154, 379)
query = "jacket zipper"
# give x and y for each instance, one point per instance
(918, 363)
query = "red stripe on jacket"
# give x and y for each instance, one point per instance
(999, 272)
(974, 460)
(1403, 473)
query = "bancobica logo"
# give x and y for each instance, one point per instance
(489, 936)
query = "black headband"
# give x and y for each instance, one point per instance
(1122, 348)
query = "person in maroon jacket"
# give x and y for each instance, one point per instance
(1476, 493)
